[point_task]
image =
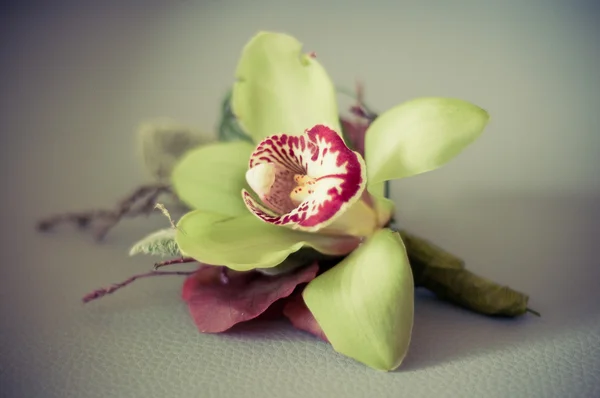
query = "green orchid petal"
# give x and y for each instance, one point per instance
(281, 90)
(419, 136)
(211, 177)
(365, 304)
(377, 189)
(384, 207)
(244, 243)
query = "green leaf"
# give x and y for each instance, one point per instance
(159, 243)
(212, 177)
(229, 129)
(420, 135)
(245, 242)
(365, 304)
(163, 142)
(281, 90)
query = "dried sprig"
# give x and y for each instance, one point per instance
(181, 260)
(141, 202)
(96, 294)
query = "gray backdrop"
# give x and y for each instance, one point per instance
(520, 205)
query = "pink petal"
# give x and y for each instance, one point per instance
(321, 154)
(298, 313)
(216, 306)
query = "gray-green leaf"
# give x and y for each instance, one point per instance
(159, 243)
(163, 142)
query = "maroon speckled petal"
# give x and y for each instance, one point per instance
(339, 176)
(216, 306)
(277, 195)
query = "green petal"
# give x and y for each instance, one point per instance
(419, 136)
(365, 303)
(377, 189)
(384, 207)
(211, 177)
(244, 243)
(281, 90)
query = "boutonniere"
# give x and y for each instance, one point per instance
(286, 212)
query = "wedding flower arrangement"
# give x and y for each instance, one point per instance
(287, 211)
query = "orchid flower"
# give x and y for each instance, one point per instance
(297, 184)
(312, 183)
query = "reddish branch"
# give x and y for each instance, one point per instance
(96, 294)
(223, 276)
(140, 202)
(99, 293)
(360, 109)
(181, 260)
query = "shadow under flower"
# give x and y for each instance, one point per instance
(261, 329)
(445, 333)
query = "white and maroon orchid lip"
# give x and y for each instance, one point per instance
(306, 181)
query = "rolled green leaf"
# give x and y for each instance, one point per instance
(462, 287)
(445, 275)
(427, 254)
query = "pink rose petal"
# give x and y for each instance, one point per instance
(216, 306)
(298, 313)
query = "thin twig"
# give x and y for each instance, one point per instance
(140, 202)
(96, 294)
(361, 109)
(357, 94)
(181, 260)
(534, 312)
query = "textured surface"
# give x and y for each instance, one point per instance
(521, 206)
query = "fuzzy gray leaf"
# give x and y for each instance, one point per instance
(159, 243)
(163, 142)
